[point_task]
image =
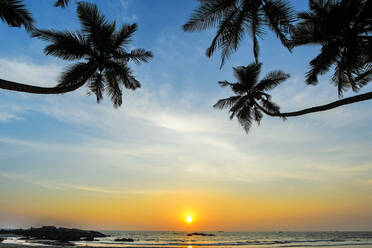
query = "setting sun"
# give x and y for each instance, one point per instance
(188, 219)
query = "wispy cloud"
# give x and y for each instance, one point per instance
(155, 130)
(123, 11)
(25, 71)
(6, 116)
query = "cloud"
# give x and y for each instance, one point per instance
(6, 116)
(124, 11)
(25, 71)
(164, 131)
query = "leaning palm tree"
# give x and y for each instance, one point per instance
(343, 30)
(15, 14)
(234, 18)
(251, 99)
(101, 52)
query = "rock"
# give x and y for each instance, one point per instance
(88, 239)
(124, 240)
(1, 240)
(54, 233)
(200, 234)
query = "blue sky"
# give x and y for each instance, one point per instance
(166, 136)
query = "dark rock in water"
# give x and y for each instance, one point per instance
(1, 240)
(200, 234)
(88, 239)
(124, 240)
(54, 233)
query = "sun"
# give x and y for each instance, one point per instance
(189, 219)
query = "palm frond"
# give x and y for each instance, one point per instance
(270, 106)
(15, 14)
(232, 29)
(305, 33)
(90, 17)
(208, 14)
(245, 118)
(123, 36)
(136, 55)
(279, 15)
(340, 28)
(225, 83)
(65, 44)
(61, 3)
(113, 88)
(124, 74)
(223, 33)
(97, 86)
(248, 74)
(321, 63)
(365, 75)
(227, 102)
(343, 79)
(365, 13)
(76, 74)
(242, 102)
(234, 17)
(98, 30)
(271, 80)
(257, 115)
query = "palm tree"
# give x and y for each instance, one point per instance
(61, 3)
(15, 14)
(251, 99)
(234, 18)
(343, 30)
(102, 57)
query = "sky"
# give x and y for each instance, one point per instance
(166, 153)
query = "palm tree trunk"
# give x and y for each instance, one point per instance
(335, 104)
(8, 85)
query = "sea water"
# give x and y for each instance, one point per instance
(236, 239)
(167, 239)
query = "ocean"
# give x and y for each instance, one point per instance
(229, 239)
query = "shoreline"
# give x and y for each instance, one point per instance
(2, 245)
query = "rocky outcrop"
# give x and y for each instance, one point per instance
(54, 233)
(124, 240)
(200, 234)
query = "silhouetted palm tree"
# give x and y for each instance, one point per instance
(234, 18)
(101, 52)
(251, 98)
(343, 30)
(61, 3)
(15, 14)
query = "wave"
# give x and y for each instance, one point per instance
(282, 243)
(323, 245)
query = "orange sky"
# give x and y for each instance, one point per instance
(253, 210)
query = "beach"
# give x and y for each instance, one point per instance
(27, 246)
